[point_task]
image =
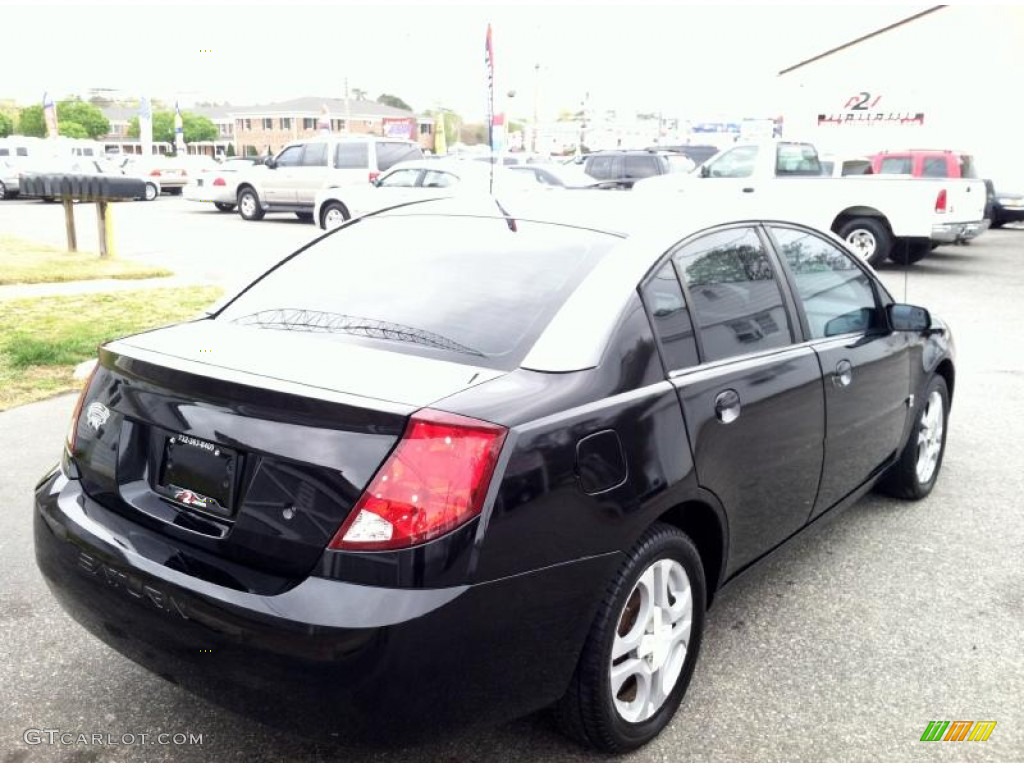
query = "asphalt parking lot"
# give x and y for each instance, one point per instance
(841, 646)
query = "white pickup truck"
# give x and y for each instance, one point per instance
(879, 217)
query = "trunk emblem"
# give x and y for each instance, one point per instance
(96, 415)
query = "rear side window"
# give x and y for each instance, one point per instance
(736, 301)
(934, 167)
(353, 155)
(899, 164)
(967, 169)
(663, 297)
(391, 152)
(469, 289)
(836, 294)
(601, 167)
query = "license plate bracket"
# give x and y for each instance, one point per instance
(198, 474)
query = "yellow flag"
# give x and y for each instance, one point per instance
(440, 141)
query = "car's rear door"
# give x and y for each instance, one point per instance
(751, 394)
(866, 367)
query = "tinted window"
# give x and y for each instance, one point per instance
(896, 165)
(21, 152)
(315, 154)
(856, 168)
(641, 166)
(667, 307)
(469, 289)
(735, 164)
(837, 296)
(352, 154)
(796, 160)
(736, 301)
(389, 153)
(601, 167)
(290, 156)
(934, 167)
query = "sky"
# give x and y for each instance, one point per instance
(686, 60)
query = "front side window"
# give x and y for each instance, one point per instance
(404, 177)
(663, 297)
(735, 164)
(315, 154)
(735, 299)
(898, 164)
(353, 155)
(289, 156)
(836, 294)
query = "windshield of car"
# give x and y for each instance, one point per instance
(471, 289)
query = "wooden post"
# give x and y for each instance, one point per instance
(69, 223)
(101, 220)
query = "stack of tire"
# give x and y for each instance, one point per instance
(85, 188)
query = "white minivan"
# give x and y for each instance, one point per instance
(289, 181)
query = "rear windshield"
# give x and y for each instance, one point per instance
(474, 290)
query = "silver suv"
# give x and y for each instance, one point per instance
(289, 181)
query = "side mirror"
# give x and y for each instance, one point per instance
(705, 172)
(906, 317)
(270, 163)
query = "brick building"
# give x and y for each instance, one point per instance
(274, 125)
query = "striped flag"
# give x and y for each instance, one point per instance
(179, 131)
(489, 60)
(50, 116)
(146, 125)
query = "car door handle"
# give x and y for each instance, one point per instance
(727, 406)
(843, 375)
(748, 189)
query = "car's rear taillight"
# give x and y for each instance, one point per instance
(154, 172)
(72, 435)
(374, 175)
(219, 182)
(940, 201)
(435, 480)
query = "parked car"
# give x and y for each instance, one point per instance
(170, 172)
(460, 462)
(555, 175)
(289, 181)
(217, 186)
(697, 153)
(1004, 207)
(424, 179)
(881, 217)
(626, 166)
(10, 180)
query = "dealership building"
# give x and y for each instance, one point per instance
(943, 78)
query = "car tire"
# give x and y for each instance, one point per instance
(332, 212)
(909, 253)
(225, 207)
(152, 193)
(914, 474)
(3, 191)
(996, 224)
(868, 238)
(249, 206)
(630, 620)
(304, 215)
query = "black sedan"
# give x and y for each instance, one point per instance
(460, 461)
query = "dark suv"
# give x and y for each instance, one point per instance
(624, 166)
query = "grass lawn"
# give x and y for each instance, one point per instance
(43, 339)
(22, 261)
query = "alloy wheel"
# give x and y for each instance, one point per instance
(929, 437)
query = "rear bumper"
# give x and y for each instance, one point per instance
(957, 232)
(324, 658)
(206, 194)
